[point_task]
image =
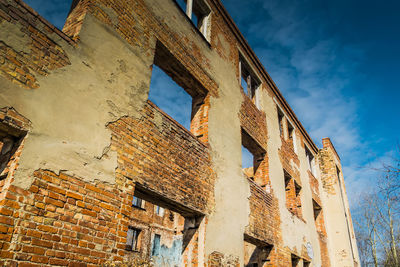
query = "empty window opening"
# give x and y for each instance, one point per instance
(132, 239)
(256, 253)
(138, 202)
(318, 217)
(310, 160)
(198, 12)
(295, 260)
(306, 263)
(254, 164)
(8, 146)
(181, 223)
(175, 91)
(10, 140)
(155, 251)
(293, 195)
(280, 121)
(170, 97)
(317, 209)
(290, 131)
(247, 163)
(248, 80)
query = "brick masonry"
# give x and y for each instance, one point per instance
(66, 220)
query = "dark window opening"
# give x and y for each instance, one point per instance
(156, 245)
(132, 239)
(310, 160)
(291, 131)
(198, 12)
(306, 263)
(248, 80)
(297, 188)
(280, 121)
(295, 260)
(175, 91)
(257, 252)
(253, 159)
(293, 196)
(317, 209)
(10, 141)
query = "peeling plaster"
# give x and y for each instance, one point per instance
(69, 120)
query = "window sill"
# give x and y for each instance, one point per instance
(139, 208)
(134, 251)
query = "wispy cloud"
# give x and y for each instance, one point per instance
(315, 71)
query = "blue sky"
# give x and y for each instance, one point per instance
(336, 62)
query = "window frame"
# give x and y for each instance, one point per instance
(133, 244)
(202, 11)
(252, 80)
(159, 211)
(310, 160)
(139, 203)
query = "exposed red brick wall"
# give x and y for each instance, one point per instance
(324, 251)
(63, 220)
(44, 55)
(265, 225)
(253, 121)
(136, 24)
(264, 220)
(314, 184)
(167, 158)
(199, 123)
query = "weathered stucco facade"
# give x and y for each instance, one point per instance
(94, 172)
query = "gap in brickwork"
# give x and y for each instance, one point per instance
(256, 253)
(247, 158)
(253, 159)
(162, 222)
(10, 140)
(170, 97)
(175, 91)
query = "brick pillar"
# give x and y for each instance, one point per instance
(77, 13)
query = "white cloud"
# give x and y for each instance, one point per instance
(316, 73)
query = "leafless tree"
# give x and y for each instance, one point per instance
(377, 219)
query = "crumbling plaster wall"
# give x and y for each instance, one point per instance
(340, 248)
(107, 79)
(295, 233)
(231, 189)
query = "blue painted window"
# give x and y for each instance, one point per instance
(138, 202)
(156, 245)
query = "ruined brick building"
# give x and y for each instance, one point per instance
(92, 171)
